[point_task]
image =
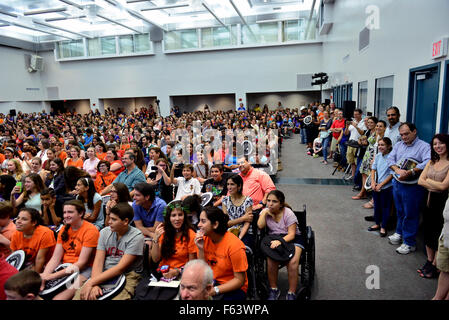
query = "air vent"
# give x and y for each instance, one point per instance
(363, 38)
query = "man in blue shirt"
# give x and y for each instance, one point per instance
(148, 209)
(408, 195)
(130, 176)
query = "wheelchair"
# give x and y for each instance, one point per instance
(258, 286)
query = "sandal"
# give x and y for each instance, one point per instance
(425, 267)
(431, 273)
(368, 205)
(358, 197)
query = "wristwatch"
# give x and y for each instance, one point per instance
(217, 291)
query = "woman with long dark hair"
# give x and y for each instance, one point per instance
(119, 194)
(32, 237)
(435, 178)
(76, 245)
(174, 241)
(225, 254)
(55, 178)
(92, 200)
(280, 219)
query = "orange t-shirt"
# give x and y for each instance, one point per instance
(78, 163)
(86, 236)
(2, 157)
(42, 238)
(63, 155)
(7, 233)
(182, 250)
(101, 156)
(226, 257)
(118, 171)
(102, 181)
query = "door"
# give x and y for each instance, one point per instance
(423, 94)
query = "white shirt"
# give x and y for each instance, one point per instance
(393, 133)
(354, 134)
(187, 187)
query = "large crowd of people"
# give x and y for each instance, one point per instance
(119, 194)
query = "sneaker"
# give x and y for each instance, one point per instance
(274, 294)
(349, 178)
(395, 238)
(290, 296)
(405, 249)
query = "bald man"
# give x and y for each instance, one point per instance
(197, 281)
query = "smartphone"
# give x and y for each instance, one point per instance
(19, 184)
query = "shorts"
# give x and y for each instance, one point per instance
(442, 256)
(86, 272)
(334, 144)
(299, 241)
(350, 155)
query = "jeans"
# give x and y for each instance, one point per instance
(382, 206)
(358, 176)
(408, 199)
(343, 148)
(326, 143)
(303, 136)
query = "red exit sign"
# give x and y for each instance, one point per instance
(439, 48)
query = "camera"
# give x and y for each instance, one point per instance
(180, 165)
(153, 168)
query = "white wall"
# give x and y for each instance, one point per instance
(223, 102)
(200, 73)
(407, 29)
(288, 99)
(128, 105)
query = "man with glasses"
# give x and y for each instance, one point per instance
(130, 176)
(407, 194)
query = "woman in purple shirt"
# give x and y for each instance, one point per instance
(279, 218)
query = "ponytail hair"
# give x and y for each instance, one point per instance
(79, 206)
(281, 197)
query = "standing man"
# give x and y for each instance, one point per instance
(407, 196)
(337, 127)
(392, 130)
(355, 129)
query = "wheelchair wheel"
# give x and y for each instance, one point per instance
(308, 264)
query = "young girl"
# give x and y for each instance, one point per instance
(85, 190)
(187, 185)
(119, 194)
(382, 187)
(35, 239)
(174, 241)
(90, 164)
(31, 195)
(51, 210)
(74, 159)
(280, 219)
(240, 210)
(15, 169)
(76, 245)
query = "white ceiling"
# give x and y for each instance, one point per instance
(40, 21)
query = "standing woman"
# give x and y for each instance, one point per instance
(32, 237)
(240, 210)
(174, 241)
(225, 254)
(76, 245)
(325, 136)
(74, 160)
(365, 167)
(435, 178)
(31, 195)
(382, 187)
(90, 164)
(85, 190)
(280, 219)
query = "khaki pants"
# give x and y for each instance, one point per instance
(132, 279)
